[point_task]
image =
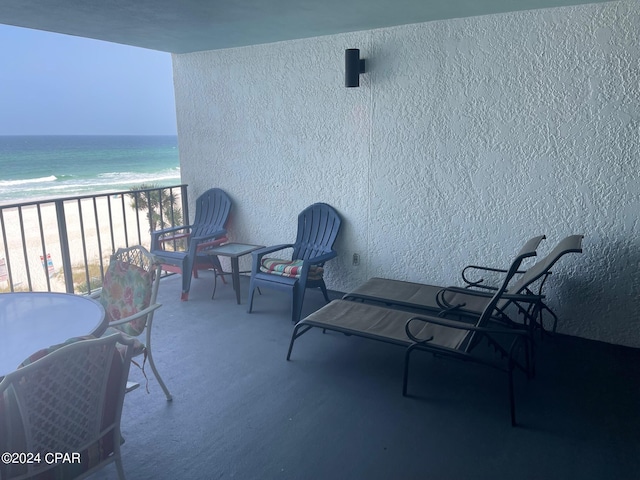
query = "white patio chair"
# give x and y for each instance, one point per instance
(68, 402)
(128, 295)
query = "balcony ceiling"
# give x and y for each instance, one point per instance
(181, 26)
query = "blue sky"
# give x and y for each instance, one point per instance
(52, 84)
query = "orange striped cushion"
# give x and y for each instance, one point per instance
(289, 268)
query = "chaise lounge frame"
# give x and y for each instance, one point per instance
(440, 336)
(471, 299)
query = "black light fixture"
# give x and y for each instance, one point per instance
(353, 67)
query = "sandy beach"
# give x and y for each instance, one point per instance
(105, 226)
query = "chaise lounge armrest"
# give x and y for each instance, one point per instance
(479, 283)
(516, 297)
(466, 343)
(459, 298)
(532, 243)
(445, 322)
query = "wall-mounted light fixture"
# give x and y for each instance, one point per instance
(353, 67)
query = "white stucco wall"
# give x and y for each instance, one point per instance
(465, 138)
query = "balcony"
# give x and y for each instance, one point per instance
(335, 410)
(240, 410)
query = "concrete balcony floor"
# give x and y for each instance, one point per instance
(335, 411)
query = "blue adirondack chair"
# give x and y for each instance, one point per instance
(207, 230)
(318, 227)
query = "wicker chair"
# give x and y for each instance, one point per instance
(69, 402)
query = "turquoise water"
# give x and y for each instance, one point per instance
(34, 167)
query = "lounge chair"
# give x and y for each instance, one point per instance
(475, 295)
(441, 336)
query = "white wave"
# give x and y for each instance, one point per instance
(26, 181)
(70, 185)
(132, 178)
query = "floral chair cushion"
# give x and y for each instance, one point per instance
(126, 290)
(289, 268)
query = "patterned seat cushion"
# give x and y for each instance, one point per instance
(289, 268)
(126, 290)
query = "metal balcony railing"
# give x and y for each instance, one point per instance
(64, 244)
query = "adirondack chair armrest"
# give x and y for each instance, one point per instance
(210, 243)
(175, 237)
(202, 238)
(157, 236)
(170, 230)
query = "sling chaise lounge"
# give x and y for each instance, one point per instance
(475, 295)
(441, 336)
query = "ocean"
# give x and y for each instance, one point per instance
(35, 167)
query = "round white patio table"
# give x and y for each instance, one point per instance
(30, 321)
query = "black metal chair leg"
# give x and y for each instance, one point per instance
(405, 378)
(512, 402)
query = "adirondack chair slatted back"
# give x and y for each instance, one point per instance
(318, 227)
(212, 212)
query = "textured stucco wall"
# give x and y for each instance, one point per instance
(465, 138)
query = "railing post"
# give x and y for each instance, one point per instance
(26, 234)
(185, 205)
(64, 246)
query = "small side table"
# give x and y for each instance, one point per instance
(234, 251)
